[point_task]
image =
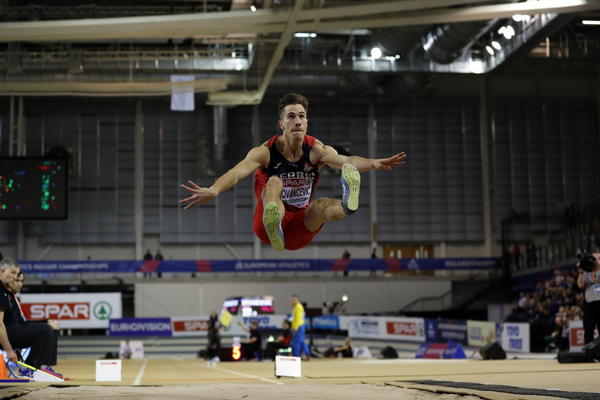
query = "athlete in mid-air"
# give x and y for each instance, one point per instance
(287, 170)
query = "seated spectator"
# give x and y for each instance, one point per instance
(252, 348)
(282, 341)
(344, 350)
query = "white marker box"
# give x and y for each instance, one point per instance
(288, 366)
(108, 370)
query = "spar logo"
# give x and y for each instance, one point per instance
(402, 328)
(61, 311)
(102, 310)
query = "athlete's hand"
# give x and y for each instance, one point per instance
(200, 195)
(12, 356)
(387, 164)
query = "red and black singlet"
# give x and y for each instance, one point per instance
(299, 178)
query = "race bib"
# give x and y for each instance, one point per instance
(297, 188)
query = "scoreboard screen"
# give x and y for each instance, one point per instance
(249, 306)
(33, 188)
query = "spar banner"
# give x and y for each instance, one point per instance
(140, 327)
(190, 326)
(393, 328)
(515, 337)
(312, 265)
(73, 310)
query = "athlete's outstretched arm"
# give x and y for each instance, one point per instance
(256, 158)
(329, 156)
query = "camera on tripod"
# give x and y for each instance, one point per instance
(587, 261)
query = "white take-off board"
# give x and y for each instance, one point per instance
(108, 370)
(288, 366)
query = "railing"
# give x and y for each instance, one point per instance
(430, 303)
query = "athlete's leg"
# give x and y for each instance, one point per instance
(273, 212)
(272, 192)
(297, 344)
(323, 210)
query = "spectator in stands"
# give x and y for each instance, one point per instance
(549, 308)
(590, 282)
(148, 255)
(529, 254)
(283, 341)
(559, 338)
(523, 299)
(158, 256)
(516, 252)
(374, 253)
(346, 254)
(252, 348)
(16, 331)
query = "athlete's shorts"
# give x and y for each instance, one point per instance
(295, 234)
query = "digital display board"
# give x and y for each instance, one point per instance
(249, 305)
(33, 188)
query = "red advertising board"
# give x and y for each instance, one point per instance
(576, 341)
(190, 325)
(58, 311)
(401, 328)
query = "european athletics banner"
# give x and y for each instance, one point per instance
(313, 265)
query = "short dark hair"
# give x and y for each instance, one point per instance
(293, 98)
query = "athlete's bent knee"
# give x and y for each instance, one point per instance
(275, 181)
(274, 184)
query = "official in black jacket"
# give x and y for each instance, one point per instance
(15, 331)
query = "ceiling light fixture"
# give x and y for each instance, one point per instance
(496, 45)
(305, 35)
(489, 50)
(590, 22)
(507, 31)
(376, 53)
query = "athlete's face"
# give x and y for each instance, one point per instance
(293, 121)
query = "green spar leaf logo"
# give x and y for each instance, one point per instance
(102, 310)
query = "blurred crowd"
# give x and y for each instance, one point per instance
(549, 309)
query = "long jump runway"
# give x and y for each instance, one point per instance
(330, 379)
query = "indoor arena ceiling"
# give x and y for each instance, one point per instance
(236, 49)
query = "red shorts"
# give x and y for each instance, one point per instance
(295, 234)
